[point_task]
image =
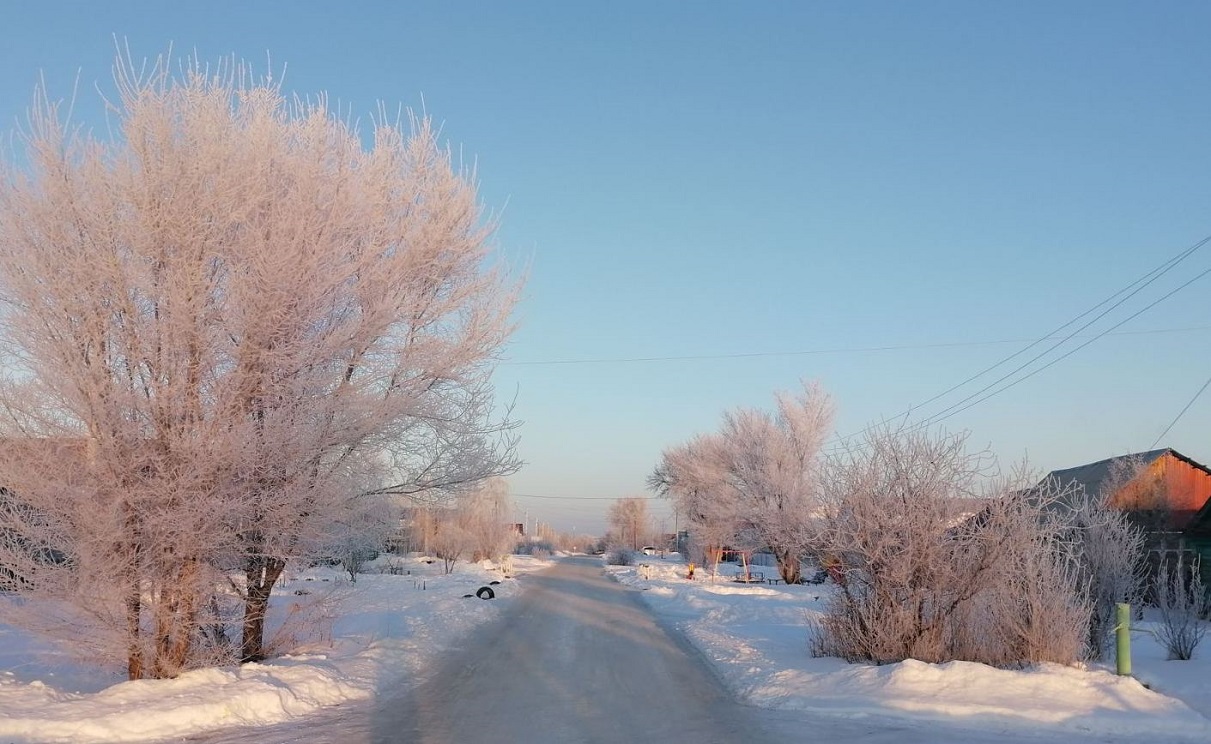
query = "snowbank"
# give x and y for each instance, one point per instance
(388, 627)
(756, 636)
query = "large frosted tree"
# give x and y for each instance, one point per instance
(225, 326)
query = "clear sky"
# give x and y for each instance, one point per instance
(804, 181)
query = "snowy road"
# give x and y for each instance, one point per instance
(579, 658)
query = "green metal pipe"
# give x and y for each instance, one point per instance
(1122, 637)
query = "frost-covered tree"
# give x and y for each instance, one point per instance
(629, 520)
(758, 477)
(693, 476)
(477, 527)
(219, 324)
(486, 514)
(359, 534)
(774, 471)
(451, 539)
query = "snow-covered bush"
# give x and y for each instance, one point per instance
(1109, 551)
(535, 546)
(937, 562)
(1182, 601)
(620, 557)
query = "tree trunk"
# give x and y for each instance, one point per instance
(261, 573)
(134, 653)
(788, 566)
(134, 598)
(176, 622)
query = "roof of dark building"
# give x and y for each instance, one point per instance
(1091, 477)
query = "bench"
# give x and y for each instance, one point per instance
(754, 577)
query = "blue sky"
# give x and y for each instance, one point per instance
(709, 179)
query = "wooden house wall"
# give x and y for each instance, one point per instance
(1188, 488)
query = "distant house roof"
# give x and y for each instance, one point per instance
(1094, 476)
(1091, 477)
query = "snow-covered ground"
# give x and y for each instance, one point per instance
(391, 627)
(757, 638)
(356, 638)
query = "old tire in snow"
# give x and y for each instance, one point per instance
(485, 592)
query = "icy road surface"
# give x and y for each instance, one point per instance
(580, 659)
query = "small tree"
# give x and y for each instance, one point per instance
(422, 530)
(451, 540)
(630, 520)
(757, 480)
(476, 526)
(485, 517)
(360, 535)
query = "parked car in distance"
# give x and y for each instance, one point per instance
(649, 550)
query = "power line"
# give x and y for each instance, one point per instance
(1162, 269)
(846, 350)
(1182, 413)
(939, 417)
(1131, 290)
(1149, 277)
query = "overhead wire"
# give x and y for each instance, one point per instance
(1178, 417)
(975, 398)
(837, 350)
(1131, 290)
(948, 412)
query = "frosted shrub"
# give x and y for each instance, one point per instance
(1182, 603)
(620, 557)
(931, 572)
(1109, 550)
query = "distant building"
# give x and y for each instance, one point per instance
(1169, 486)
(1169, 497)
